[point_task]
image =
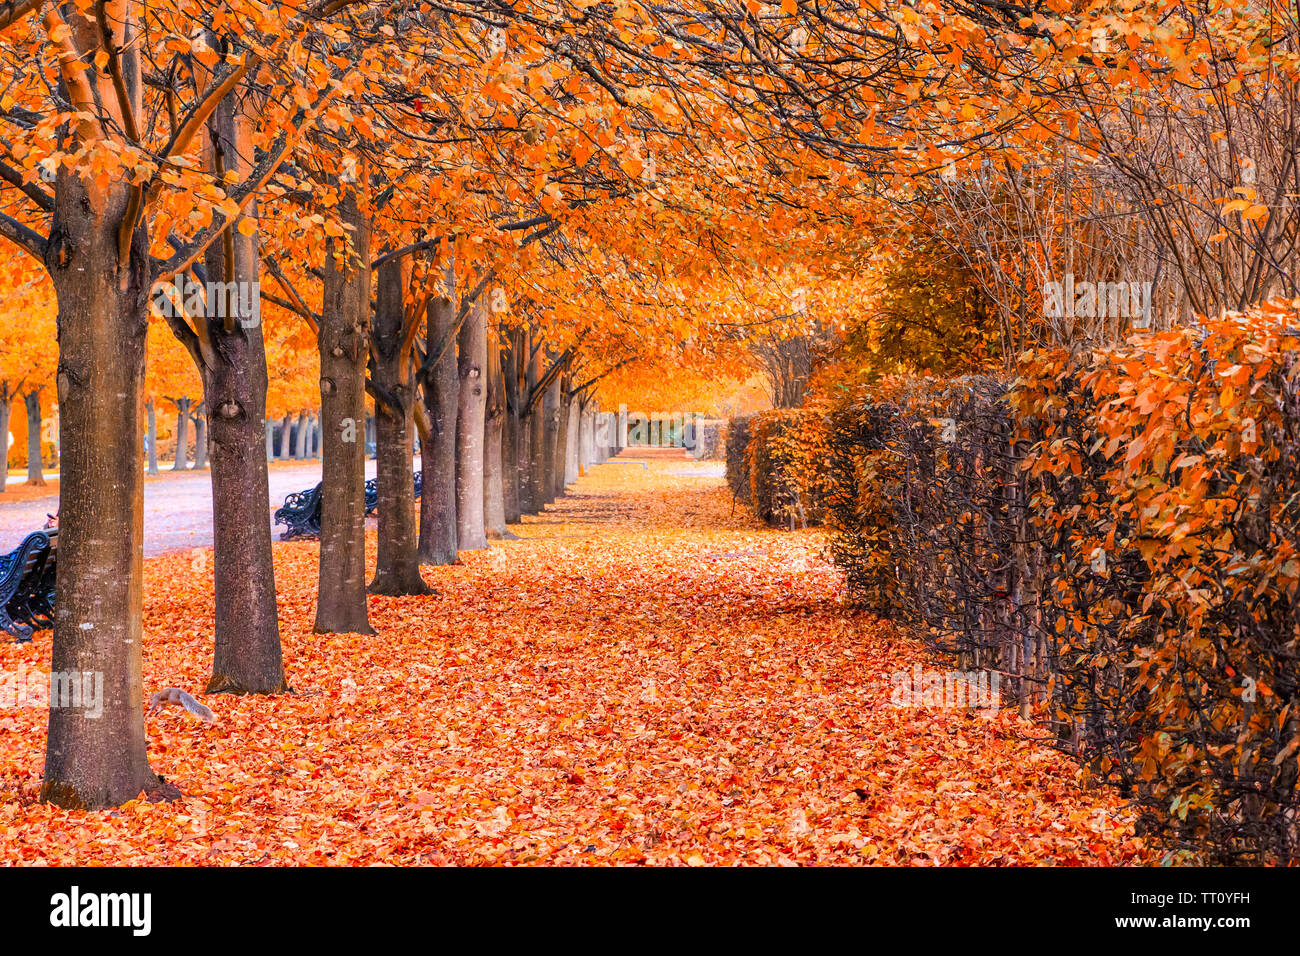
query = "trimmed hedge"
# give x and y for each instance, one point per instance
(1118, 534)
(774, 465)
(737, 442)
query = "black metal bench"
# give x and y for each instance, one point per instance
(300, 513)
(27, 585)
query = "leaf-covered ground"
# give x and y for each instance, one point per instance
(645, 677)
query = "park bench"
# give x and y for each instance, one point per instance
(27, 585)
(300, 513)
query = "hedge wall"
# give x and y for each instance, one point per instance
(1119, 534)
(776, 463)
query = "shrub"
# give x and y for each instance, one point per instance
(737, 441)
(779, 470)
(1118, 532)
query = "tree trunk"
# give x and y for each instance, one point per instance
(6, 408)
(344, 349)
(398, 567)
(35, 474)
(510, 430)
(536, 455)
(286, 433)
(152, 414)
(550, 407)
(182, 434)
(441, 389)
(268, 428)
(201, 436)
(300, 438)
(247, 657)
(494, 478)
(584, 438)
(560, 463)
(573, 438)
(100, 762)
(471, 415)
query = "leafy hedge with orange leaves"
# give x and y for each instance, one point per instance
(776, 463)
(1118, 532)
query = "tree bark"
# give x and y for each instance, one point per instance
(511, 429)
(560, 460)
(471, 415)
(398, 568)
(441, 389)
(344, 343)
(536, 455)
(494, 477)
(286, 433)
(550, 440)
(152, 414)
(572, 439)
(300, 437)
(35, 472)
(182, 434)
(103, 315)
(247, 656)
(201, 436)
(6, 408)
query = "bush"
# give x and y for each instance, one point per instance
(737, 441)
(1119, 534)
(779, 469)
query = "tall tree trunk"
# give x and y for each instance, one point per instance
(152, 414)
(35, 473)
(494, 478)
(471, 415)
(536, 456)
(103, 316)
(550, 407)
(441, 390)
(182, 434)
(559, 462)
(300, 437)
(572, 439)
(584, 437)
(511, 387)
(398, 567)
(344, 342)
(286, 433)
(247, 657)
(268, 429)
(6, 408)
(201, 436)
(510, 467)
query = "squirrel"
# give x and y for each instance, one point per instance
(174, 695)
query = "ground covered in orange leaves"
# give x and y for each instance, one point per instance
(647, 676)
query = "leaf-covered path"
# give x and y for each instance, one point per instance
(645, 677)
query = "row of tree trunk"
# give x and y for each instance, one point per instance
(503, 431)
